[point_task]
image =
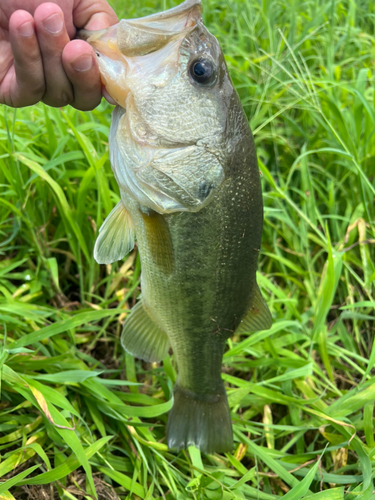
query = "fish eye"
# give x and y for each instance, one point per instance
(203, 71)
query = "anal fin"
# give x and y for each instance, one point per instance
(142, 337)
(116, 236)
(258, 316)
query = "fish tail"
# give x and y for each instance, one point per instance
(200, 420)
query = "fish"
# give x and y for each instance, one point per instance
(183, 156)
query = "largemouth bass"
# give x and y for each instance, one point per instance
(183, 155)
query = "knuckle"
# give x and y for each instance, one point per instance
(31, 59)
(58, 101)
(37, 90)
(19, 102)
(86, 105)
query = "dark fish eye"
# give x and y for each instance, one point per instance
(203, 71)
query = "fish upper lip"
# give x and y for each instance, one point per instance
(141, 36)
(184, 8)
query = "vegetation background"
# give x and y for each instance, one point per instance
(78, 417)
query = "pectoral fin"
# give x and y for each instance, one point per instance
(142, 337)
(258, 317)
(116, 236)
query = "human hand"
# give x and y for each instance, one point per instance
(38, 60)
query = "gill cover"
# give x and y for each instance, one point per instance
(157, 161)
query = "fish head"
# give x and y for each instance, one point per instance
(171, 137)
(166, 68)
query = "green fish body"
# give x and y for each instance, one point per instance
(184, 158)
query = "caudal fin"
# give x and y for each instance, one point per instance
(200, 420)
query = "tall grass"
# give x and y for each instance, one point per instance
(78, 417)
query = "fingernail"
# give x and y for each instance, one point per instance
(83, 63)
(26, 29)
(53, 24)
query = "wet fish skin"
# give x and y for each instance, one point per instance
(184, 158)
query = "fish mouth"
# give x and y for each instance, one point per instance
(137, 37)
(123, 49)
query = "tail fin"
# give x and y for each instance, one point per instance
(200, 420)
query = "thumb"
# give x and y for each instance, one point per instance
(93, 15)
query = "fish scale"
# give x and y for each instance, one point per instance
(185, 161)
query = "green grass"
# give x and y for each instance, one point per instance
(76, 413)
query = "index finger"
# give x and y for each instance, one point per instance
(24, 83)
